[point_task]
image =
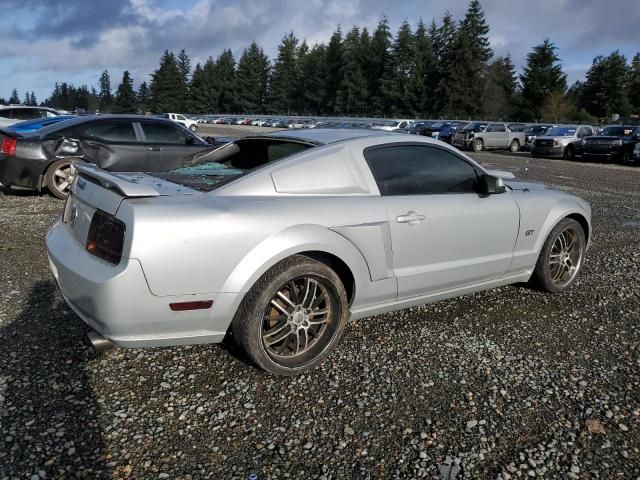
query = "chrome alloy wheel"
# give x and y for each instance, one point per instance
(566, 257)
(63, 177)
(297, 318)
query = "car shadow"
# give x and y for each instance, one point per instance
(48, 410)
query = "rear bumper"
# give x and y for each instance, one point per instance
(115, 300)
(18, 172)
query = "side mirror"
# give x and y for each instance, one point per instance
(490, 185)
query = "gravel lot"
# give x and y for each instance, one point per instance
(509, 383)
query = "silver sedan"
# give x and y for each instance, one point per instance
(282, 238)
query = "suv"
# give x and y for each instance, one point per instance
(532, 132)
(182, 120)
(562, 141)
(493, 136)
(615, 142)
(18, 113)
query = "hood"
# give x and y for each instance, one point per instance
(515, 184)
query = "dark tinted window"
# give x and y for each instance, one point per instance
(6, 112)
(164, 133)
(109, 131)
(26, 113)
(415, 170)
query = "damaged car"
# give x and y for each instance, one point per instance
(279, 239)
(44, 158)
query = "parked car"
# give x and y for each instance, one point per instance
(615, 142)
(29, 126)
(463, 139)
(43, 159)
(531, 133)
(418, 128)
(182, 120)
(495, 136)
(180, 257)
(517, 127)
(446, 133)
(636, 153)
(392, 125)
(17, 113)
(561, 141)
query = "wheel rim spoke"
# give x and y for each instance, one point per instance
(278, 306)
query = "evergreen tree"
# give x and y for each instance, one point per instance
(252, 76)
(398, 74)
(208, 91)
(542, 75)
(125, 99)
(499, 98)
(226, 74)
(284, 81)
(143, 97)
(442, 39)
(606, 86)
(33, 99)
(167, 87)
(14, 98)
(312, 69)
(477, 30)
(194, 101)
(184, 65)
(352, 98)
(105, 97)
(376, 63)
(333, 70)
(422, 85)
(27, 98)
(634, 84)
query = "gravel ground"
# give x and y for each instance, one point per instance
(509, 383)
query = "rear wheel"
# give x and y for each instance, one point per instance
(627, 157)
(562, 256)
(477, 145)
(292, 317)
(193, 128)
(569, 153)
(514, 146)
(58, 177)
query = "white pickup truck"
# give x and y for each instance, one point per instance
(181, 119)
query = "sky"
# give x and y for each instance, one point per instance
(44, 41)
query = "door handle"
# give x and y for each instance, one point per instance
(411, 217)
(153, 149)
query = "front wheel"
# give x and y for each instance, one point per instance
(193, 128)
(477, 145)
(292, 317)
(569, 153)
(561, 257)
(514, 146)
(58, 178)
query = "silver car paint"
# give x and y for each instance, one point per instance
(183, 245)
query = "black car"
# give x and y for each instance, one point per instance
(533, 131)
(43, 159)
(615, 142)
(418, 128)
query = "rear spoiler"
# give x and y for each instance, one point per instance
(9, 133)
(127, 187)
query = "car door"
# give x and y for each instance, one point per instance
(168, 145)
(443, 234)
(500, 136)
(489, 136)
(112, 144)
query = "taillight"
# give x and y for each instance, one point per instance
(8, 146)
(106, 237)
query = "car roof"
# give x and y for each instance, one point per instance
(323, 136)
(96, 118)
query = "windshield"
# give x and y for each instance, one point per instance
(438, 125)
(617, 131)
(475, 127)
(561, 132)
(536, 129)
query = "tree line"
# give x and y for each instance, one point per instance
(445, 69)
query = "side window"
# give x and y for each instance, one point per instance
(164, 133)
(109, 132)
(402, 125)
(490, 129)
(588, 131)
(26, 113)
(180, 117)
(420, 170)
(6, 112)
(498, 127)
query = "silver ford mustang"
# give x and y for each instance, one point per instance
(281, 238)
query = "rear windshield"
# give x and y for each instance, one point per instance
(561, 132)
(617, 131)
(213, 169)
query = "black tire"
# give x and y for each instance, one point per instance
(477, 145)
(59, 186)
(257, 310)
(627, 157)
(569, 153)
(544, 273)
(514, 146)
(193, 128)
